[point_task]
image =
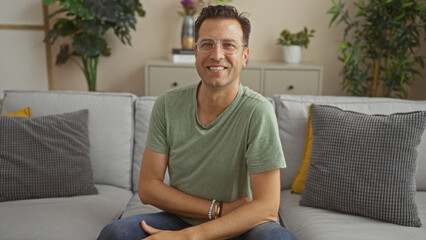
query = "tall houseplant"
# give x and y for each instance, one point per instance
(379, 47)
(86, 22)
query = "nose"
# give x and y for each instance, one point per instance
(217, 52)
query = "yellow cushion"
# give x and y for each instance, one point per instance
(25, 112)
(299, 180)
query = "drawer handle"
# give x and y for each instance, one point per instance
(175, 84)
(291, 87)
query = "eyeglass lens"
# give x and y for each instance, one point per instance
(207, 45)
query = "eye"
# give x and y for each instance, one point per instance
(206, 45)
(229, 45)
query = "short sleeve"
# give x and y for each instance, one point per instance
(157, 133)
(264, 151)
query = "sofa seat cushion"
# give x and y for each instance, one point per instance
(80, 217)
(135, 207)
(308, 223)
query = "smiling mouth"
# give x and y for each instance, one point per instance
(216, 68)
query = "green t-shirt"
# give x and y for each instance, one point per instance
(214, 161)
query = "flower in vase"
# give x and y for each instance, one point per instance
(188, 8)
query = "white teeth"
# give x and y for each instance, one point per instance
(216, 68)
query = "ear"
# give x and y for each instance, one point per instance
(246, 52)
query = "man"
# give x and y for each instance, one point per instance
(221, 145)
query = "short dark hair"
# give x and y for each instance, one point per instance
(224, 12)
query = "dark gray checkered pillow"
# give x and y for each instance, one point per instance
(45, 157)
(364, 164)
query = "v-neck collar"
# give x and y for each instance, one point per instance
(224, 113)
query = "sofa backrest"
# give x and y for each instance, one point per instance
(292, 118)
(111, 126)
(143, 109)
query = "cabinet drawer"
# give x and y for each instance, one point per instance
(161, 79)
(306, 82)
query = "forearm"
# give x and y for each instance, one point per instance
(152, 189)
(263, 208)
(236, 222)
(172, 200)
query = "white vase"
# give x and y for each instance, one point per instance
(292, 54)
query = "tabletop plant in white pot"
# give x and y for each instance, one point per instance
(293, 42)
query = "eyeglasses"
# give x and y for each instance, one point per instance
(207, 45)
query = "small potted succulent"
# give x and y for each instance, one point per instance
(293, 42)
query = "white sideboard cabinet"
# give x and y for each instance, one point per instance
(267, 78)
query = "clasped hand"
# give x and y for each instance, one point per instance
(163, 234)
(185, 234)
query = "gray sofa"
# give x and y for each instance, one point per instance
(117, 127)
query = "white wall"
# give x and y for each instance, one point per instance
(159, 32)
(23, 64)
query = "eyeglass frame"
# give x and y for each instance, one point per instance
(221, 47)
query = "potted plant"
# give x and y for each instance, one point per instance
(380, 43)
(86, 22)
(293, 42)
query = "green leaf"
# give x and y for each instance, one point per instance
(76, 7)
(335, 11)
(49, 2)
(348, 58)
(141, 12)
(62, 28)
(63, 54)
(222, 2)
(91, 27)
(89, 45)
(61, 10)
(104, 10)
(106, 52)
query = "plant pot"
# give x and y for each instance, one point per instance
(292, 54)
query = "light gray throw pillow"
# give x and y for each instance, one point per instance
(45, 157)
(364, 164)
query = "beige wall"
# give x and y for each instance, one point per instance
(159, 32)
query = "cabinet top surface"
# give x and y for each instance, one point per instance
(250, 65)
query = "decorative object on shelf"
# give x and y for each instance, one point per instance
(380, 45)
(182, 55)
(189, 9)
(86, 22)
(187, 34)
(292, 44)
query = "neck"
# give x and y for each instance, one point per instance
(216, 98)
(212, 102)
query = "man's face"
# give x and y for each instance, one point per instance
(218, 69)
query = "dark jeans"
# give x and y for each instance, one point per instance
(129, 228)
